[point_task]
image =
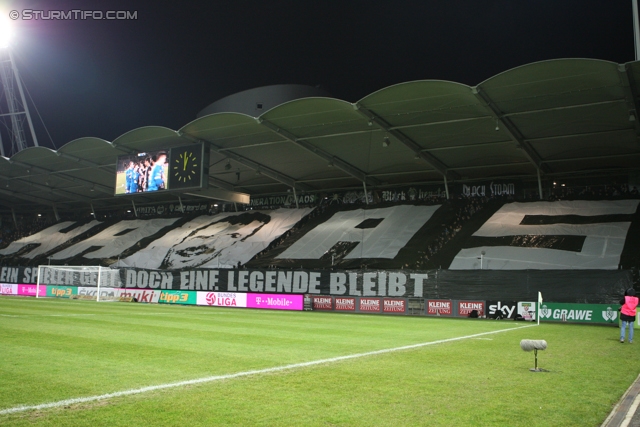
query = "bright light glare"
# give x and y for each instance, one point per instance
(6, 31)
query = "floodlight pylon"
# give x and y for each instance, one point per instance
(17, 109)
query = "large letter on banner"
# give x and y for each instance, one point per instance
(115, 239)
(387, 231)
(47, 239)
(601, 249)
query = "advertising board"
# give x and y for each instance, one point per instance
(439, 307)
(581, 313)
(178, 297)
(393, 305)
(275, 301)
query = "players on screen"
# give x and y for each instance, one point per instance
(157, 178)
(144, 173)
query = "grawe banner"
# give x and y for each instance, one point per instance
(583, 313)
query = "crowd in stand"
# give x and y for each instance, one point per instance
(561, 192)
(9, 232)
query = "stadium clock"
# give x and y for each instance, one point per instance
(185, 170)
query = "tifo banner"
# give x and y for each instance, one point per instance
(569, 235)
(583, 313)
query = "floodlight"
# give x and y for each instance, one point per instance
(386, 141)
(6, 31)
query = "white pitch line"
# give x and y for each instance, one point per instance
(45, 315)
(240, 374)
(631, 412)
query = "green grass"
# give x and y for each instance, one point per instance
(59, 349)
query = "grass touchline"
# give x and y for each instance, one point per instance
(243, 374)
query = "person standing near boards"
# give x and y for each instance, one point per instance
(628, 313)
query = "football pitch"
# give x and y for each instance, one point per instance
(163, 365)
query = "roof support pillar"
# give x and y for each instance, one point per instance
(135, 211)
(181, 207)
(630, 94)
(366, 196)
(93, 211)
(13, 214)
(295, 196)
(446, 187)
(55, 212)
(539, 184)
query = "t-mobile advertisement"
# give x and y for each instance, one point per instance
(30, 290)
(275, 301)
(234, 299)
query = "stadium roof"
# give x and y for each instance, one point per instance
(559, 117)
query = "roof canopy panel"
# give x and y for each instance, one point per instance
(425, 101)
(569, 115)
(555, 83)
(312, 117)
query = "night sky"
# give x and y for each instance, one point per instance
(104, 78)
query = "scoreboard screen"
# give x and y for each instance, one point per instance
(178, 168)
